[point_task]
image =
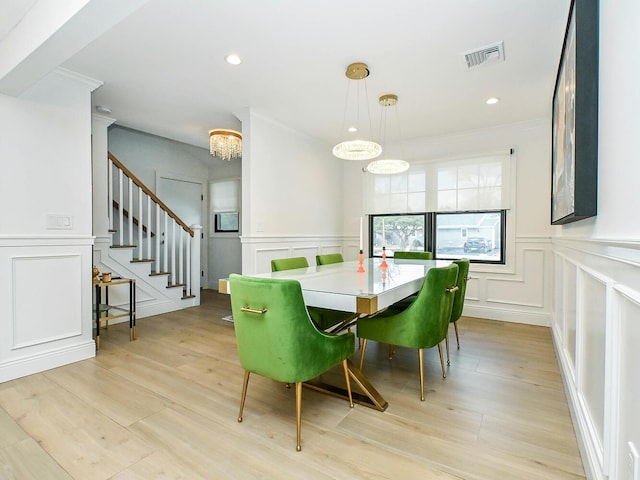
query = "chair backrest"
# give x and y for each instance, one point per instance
(413, 255)
(463, 276)
(328, 258)
(427, 318)
(274, 334)
(290, 263)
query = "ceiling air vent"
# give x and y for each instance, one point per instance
(481, 56)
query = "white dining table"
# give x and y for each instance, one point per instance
(342, 286)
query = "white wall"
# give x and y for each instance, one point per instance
(45, 236)
(597, 264)
(292, 195)
(519, 291)
(145, 155)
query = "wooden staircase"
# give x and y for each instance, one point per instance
(150, 243)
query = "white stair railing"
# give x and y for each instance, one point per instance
(175, 243)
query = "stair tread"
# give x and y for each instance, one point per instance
(186, 297)
(154, 274)
(123, 246)
(142, 260)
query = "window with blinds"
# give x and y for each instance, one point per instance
(452, 208)
(225, 206)
(469, 184)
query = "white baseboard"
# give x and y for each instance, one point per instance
(507, 315)
(45, 361)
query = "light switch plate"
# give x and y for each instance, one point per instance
(59, 222)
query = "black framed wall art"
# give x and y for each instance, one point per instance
(574, 156)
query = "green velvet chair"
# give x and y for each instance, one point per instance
(328, 258)
(276, 338)
(413, 255)
(290, 263)
(458, 300)
(404, 303)
(322, 317)
(423, 324)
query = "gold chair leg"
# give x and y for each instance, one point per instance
(447, 344)
(444, 372)
(298, 414)
(244, 393)
(346, 377)
(362, 351)
(421, 361)
(455, 326)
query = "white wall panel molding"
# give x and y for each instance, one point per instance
(44, 240)
(591, 353)
(263, 249)
(256, 239)
(31, 309)
(597, 307)
(626, 251)
(524, 289)
(46, 320)
(622, 385)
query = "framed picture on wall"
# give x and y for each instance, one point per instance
(574, 156)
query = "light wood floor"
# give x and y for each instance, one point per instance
(165, 407)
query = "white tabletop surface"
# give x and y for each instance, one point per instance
(337, 286)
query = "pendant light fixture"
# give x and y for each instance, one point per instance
(389, 165)
(357, 149)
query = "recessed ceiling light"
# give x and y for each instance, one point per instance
(233, 59)
(352, 129)
(492, 100)
(103, 109)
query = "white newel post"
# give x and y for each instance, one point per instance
(195, 262)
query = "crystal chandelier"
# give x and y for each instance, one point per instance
(226, 144)
(388, 166)
(357, 149)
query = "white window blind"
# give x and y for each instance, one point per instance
(225, 196)
(474, 183)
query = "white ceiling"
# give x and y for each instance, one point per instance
(164, 72)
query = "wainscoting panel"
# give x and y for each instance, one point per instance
(519, 292)
(526, 288)
(46, 312)
(596, 332)
(261, 250)
(591, 354)
(60, 280)
(263, 257)
(625, 388)
(569, 321)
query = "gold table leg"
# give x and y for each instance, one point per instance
(371, 397)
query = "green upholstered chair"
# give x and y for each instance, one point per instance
(328, 258)
(458, 300)
(276, 338)
(413, 255)
(404, 303)
(288, 263)
(423, 324)
(322, 317)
